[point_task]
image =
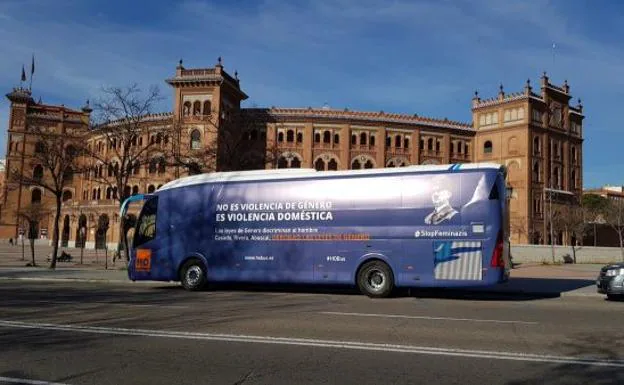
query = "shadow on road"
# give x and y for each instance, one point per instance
(587, 346)
(517, 289)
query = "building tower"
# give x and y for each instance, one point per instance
(539, 138)
(203, 98)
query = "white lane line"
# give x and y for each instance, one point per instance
(26, 381)
(365, 346)
(426, 317)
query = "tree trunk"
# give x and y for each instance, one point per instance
(32, 250)
(55, 232)
(621, 245)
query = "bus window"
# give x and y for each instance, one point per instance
(146, 225)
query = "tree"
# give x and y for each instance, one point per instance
(571, 220)
(614, 217)
(519, 225)
(54, 162)
(596, 206)
(32, 215)
(121, 120)
(238, 142)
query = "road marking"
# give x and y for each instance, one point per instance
(26, 381)
(336, 344)
(427, 317)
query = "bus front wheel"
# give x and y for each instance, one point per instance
(375, 279)
(193, 275)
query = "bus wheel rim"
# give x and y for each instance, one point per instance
(193, 275)
(376, 279)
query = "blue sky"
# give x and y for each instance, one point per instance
(406, 56)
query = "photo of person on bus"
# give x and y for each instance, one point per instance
(440, 196)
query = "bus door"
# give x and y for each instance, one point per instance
(145, 262)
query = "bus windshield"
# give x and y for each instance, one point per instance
(146, 224)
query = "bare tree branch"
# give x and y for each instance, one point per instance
(54, 163)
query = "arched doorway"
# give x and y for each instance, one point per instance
(81, 232)
(65, 233)
(102, 229)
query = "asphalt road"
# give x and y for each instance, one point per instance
(88, 333)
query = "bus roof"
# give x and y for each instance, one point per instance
(292, 173)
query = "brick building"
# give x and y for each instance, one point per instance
(538, 136)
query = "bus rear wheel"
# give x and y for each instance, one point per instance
(193, 275)
(375, 279)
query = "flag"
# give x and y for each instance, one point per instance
(32, 65)
(23, 74)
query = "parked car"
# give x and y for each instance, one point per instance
(611, 281)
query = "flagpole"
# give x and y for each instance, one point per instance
(32, 72)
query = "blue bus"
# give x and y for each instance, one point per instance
(377, 229)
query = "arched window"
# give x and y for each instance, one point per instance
(159, 138)
(422, 144)
(368, 164)
(388, 141)
(406, 143)
(430, 144)
(151, 189)
(162, 165)
(290, 136)
(207, 106)
(152, 166)
(135, 190)
(326, 137)
(363, 138)
(536, 173)
(353, 139)
(336, 139)
(317, 138)
(187, 109)
(195, 139)
(194, 169)
(319, 165)
(295, 163)
(127, 191)
(280, 137)
(372, 140)
(356, 165)
(397, 141)
(282, 162)
(94, 194)
(299, 137)
(99, 193)
(38, 172)
(452, 147)
(437, 145)
(197, 108)
(487, 147)
(536, 145)
(109, 193)
(35, 196)
(332, 165)
(68, 175)
(114, 192)
(557, 177)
